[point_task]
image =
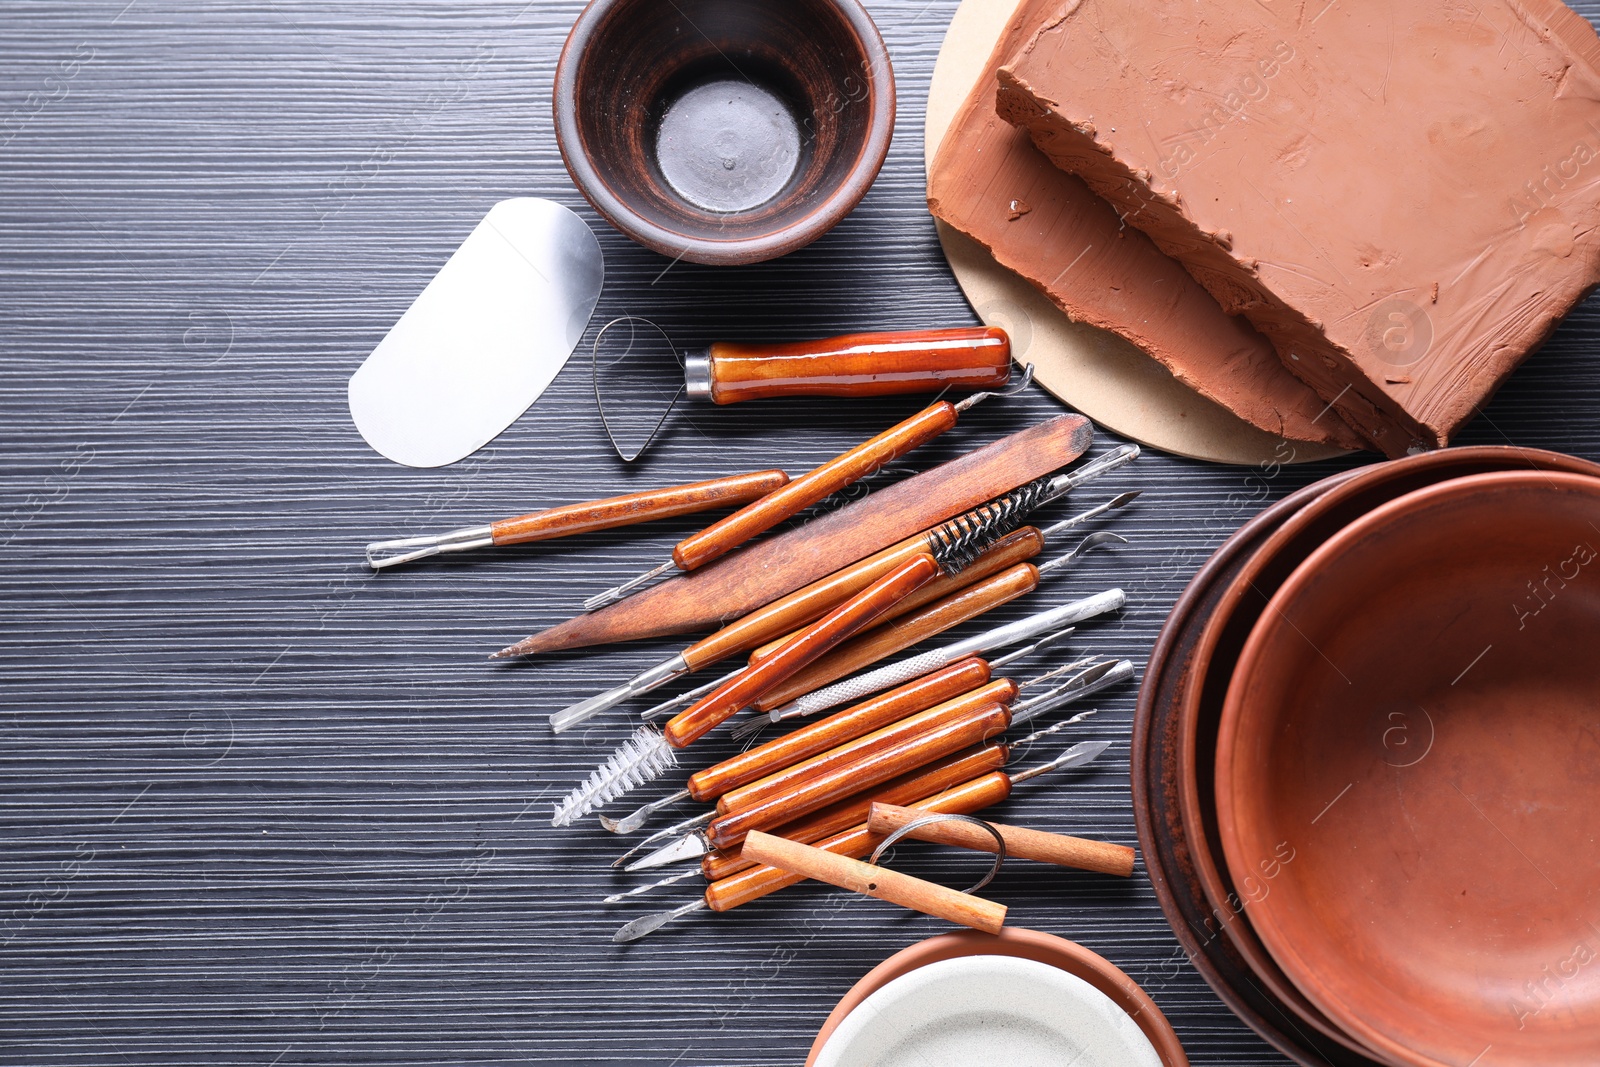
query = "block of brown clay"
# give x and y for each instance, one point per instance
(1403, 195)
(989, 182)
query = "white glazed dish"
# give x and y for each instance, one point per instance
(988, 1009)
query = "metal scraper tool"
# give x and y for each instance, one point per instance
(484, 339)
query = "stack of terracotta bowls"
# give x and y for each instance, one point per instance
(1367, 765)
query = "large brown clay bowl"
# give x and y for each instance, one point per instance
(1033, 945)
(1168, 856)
(1217, 651)
(724, 131)
(1442, 897)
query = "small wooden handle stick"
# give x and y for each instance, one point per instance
(892, 886)
(1021, 842)
(855, 365)
(838, 625)
(571, 519)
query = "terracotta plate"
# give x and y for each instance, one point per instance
(1443, 899)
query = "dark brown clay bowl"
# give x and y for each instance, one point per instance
(1156, 777)
(1217, 651)
(1033, 945)
(724, 131)
(1441, 903)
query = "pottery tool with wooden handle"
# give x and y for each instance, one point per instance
(869, 457)
(570, 519)
(774, 567)
(898, 748)
(964, 545)
(753, 883)
(855, 365)
(1102, 857)
(968, 680)
(892, 674)
(930, 898)
(649, 752)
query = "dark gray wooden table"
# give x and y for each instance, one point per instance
(260, 806)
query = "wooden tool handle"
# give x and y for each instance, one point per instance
(722, 537)
(911, 788)
(862, 364)
(816, 737)
(636, 507)
(879, 766)
(882, 641)
(783, 616)
(756, 882)
(930, 898)
(838, 625)
(1016, 547)
(1102, 856)
(785, 780)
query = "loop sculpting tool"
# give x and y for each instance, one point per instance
(876, 757)
(774, 567)
(720, 538)
(650, 752)
(958, 546)
(1102, 857)
(753, 883)
(909, 788)
(573, 519)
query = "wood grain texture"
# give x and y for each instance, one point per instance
(632, 508)
(930, 898)
(806, 647)
(824, 734)
(783, 780)
(909, 788)
(885, 755)
(1021, 842)
(258, 804)
(867, 458)
(860, 365)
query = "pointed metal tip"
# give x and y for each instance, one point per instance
(687, 847)
(614, 825)
(643, 926)
(1125, 499)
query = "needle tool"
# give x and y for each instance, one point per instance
(969, 680)
(583, 518)
(874, 758)
(772, 567)
(918, 695)
(759, 881)
(648, 752)
(957, 545)
(909, 788)
(723, 537)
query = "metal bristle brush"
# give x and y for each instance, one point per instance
(647, 754)
(954, 544)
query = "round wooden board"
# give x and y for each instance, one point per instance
(1094, 370)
